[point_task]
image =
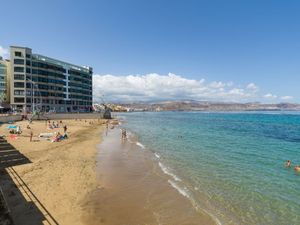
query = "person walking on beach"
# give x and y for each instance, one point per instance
(124, 135)
(31, 135)
(65, 128)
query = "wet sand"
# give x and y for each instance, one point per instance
(134, 190)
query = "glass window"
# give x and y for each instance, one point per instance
(19, 69)
(19, 61)
(19, 100)
(27, 62)
(18, 92)
(28, 56)
(19, 77)
(19, 84)
(28, 70)
(19, 54)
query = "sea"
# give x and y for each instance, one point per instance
(230, 165)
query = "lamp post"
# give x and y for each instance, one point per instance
(32, 85)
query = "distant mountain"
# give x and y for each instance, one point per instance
(191, 105)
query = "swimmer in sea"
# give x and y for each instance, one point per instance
(288, 163)
(297, 168)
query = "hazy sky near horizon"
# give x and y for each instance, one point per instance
(229, 50)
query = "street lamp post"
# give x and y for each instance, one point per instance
(32, 85)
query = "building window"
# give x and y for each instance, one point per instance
(28, 70)
(28, 56)
(19, 61)
(19, 69)
(19, 84)
(19, 54)
(17, 92)
(19, 100)
(28, 62)
(19, 77)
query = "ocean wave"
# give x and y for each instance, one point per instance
(157, 155)
(180, 190)
(185, 193)
(166, 171)
(140, 145)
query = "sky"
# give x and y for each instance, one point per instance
(233, 50)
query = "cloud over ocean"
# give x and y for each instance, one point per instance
(153, 87)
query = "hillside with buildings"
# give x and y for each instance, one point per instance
(204, 106)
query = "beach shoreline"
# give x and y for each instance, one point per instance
(134, 189)
(93, 177)
(56, 177)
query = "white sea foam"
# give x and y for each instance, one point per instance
(157, 155)
(185, 193)
(140, 144)
(180, 190)
(166, 171)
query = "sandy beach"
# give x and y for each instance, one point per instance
(83, 180)
(51, 185)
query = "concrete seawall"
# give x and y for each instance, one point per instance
(57, 116)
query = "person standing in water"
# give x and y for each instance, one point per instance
(124, 135)
(288, 163)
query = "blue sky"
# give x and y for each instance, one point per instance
(168, 49)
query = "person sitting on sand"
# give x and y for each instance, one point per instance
(297, 168)
(288, 163)
(57, 138)
(50, 127)
(18, 131)
(65, 136)
(28, 127)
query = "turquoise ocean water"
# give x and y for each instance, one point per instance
(228, 164)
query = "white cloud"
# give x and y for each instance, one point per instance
(252, 87)
(3, 52)
(158, 87)
(270, 96)
(287, 97)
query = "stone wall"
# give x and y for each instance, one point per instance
(10, 118)
(56, 116)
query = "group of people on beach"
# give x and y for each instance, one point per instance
(289, 164)
(16, 131)
(53, 125)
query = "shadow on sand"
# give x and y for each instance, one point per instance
(18, 204)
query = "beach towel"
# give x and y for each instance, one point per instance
(46, 135)
(13, 137)
(11, 127)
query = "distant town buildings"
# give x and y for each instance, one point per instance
(33, 82)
